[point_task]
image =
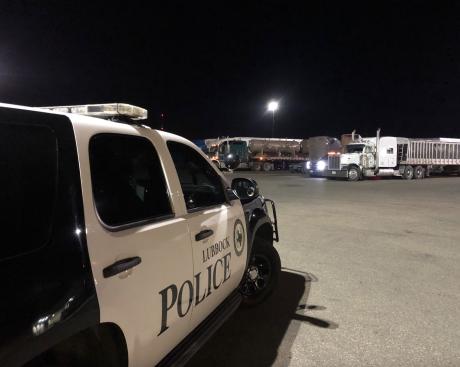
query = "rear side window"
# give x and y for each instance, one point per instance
(28, 178)
(201, 185)
(129, 186)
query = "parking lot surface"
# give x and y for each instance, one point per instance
(371, 277)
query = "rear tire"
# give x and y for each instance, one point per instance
(267, 167)
(419, 172)
(94, 347)
(408, 173)
(262, 275)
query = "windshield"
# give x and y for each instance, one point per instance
(354, 148)
(235, 147)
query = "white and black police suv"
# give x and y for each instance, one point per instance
(121, 245)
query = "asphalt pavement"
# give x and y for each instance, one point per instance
(371, 277)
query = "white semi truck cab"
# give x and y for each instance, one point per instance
(394, 156)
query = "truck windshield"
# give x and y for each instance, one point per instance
(234, 147)
(354, 148)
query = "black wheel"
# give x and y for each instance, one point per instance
(256, 166)
(95, 347)
(267, 167)
(419, 172)
(408, 173)
(354, 174)
(261, 275)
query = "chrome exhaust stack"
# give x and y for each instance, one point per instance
(377, 148)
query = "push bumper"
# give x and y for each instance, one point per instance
(272, 215)
(316, 173)
(336, 173)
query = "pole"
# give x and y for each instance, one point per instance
(273, 124)
(162, 119)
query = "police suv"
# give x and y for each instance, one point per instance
(121, 245)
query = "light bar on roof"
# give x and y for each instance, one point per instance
(104, 110)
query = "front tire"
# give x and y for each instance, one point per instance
(261, 276)
(354, 174)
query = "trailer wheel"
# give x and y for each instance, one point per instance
(408, 173)
(354, 174)
(256, 166)
(419, 172)
(267, 167)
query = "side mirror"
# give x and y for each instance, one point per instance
(245, 188)
(231, 161)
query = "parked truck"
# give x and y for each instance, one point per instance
(317, 149)
(394, 156)
(256, 154)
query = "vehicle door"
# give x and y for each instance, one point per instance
(217, 229)
(47, 289)
(140, 251)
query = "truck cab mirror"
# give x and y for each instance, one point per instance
(245, 188)
(231, 161)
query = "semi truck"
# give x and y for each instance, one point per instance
(394, 156)
(317, 148)
(266, 154)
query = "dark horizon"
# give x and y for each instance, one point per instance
(211, 70)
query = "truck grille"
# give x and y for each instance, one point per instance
(333, 162)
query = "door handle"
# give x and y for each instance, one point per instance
(204, 234)
(120, 266)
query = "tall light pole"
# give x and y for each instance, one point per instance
(162, 119)
(273, 107)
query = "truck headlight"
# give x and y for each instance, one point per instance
(321, 166)
(308, 165)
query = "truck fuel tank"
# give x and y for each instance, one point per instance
(274, 146)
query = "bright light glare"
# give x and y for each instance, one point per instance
(308, 165)
(321, 166)
(273, 106)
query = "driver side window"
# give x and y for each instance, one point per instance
(201, 185)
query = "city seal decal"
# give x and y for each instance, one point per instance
(239, 237)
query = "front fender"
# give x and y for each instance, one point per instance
(257, 220)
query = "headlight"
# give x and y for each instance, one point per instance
(321, 165)
(308, 165)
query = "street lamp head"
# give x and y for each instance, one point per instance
(273, 106)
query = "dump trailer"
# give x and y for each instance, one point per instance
(394, 156)
(257, 154)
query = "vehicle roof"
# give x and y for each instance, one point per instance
(79, 119)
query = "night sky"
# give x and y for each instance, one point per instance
(334, 66)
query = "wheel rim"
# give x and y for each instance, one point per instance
(353, 174)
(257, 276)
